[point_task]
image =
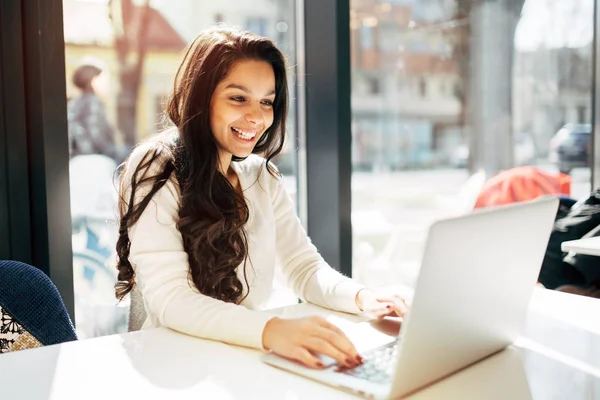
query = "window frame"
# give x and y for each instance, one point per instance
(34, 133)
(328, 135)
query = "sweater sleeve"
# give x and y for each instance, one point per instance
(161, 267)
(304, 269)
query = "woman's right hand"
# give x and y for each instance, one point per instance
(301, 339)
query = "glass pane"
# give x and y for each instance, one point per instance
(102, 39)
(447, 94)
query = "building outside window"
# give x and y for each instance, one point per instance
(516, 72)
(257, 25)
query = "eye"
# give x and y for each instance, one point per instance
(267, 103)
(239, 99)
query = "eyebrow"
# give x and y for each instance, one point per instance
(245, 89)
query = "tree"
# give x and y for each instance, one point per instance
(130, 27)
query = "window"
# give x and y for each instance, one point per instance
(442, 88)
(366, 37)
(412, 157)
(131, 114)
(422, 87)
(401, 83)
(257, 25)
(373, 85)
(582, 114)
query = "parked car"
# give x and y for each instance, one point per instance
(525, 152)
(460, 156)
(571, 146)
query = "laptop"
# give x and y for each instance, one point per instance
(470, 301)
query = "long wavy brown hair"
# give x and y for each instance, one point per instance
(212, 213)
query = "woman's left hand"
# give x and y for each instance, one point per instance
(378, 304)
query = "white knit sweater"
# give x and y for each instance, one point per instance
(275, 238)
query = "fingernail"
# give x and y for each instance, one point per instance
(359, 359)
(320, 364)
(388, 306)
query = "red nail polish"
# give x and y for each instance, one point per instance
(320, 364)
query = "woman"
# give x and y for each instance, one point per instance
(204, 218)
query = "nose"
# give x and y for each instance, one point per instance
(254, 115)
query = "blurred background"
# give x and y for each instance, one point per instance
(445, 94)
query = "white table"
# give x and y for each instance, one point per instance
(589, 246)
(558, 358)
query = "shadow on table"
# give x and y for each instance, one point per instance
(185, 365)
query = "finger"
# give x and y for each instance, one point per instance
(394, 298)
(306, 358)
(340, 342)
(400, 307)
(394, 306)
(340, 339)
(379, 307)
(388, 298)
(379, 313)
(391, 311)
(322, 346)
(407, 300)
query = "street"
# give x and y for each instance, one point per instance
(391, 213)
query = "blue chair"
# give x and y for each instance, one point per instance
(32, 313)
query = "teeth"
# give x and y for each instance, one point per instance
(244, 134)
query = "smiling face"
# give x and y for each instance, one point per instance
(241, 108)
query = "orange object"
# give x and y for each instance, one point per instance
(522, 184)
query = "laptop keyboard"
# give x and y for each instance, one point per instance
(378, 364)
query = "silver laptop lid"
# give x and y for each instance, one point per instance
(473, 290)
